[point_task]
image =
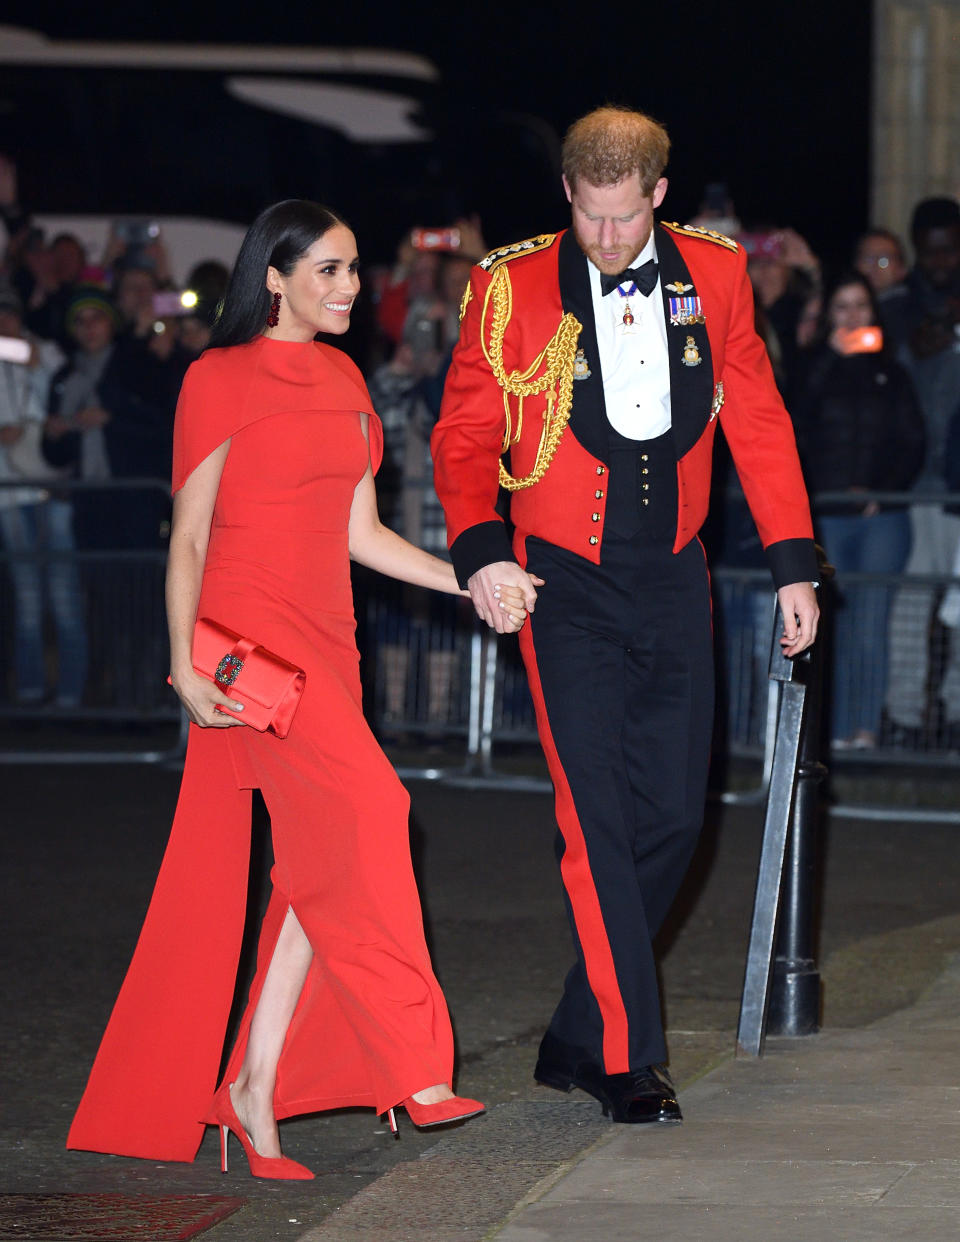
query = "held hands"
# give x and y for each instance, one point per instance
(798, 603)
(513, 610)
(503, 594)
(201, 698)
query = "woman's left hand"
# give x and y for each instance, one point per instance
(510, 599)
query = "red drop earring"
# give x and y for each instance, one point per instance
(273, 315)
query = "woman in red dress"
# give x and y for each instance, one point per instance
(275, 448)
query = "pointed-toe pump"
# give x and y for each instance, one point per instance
(441, 1114)
(224, 1115)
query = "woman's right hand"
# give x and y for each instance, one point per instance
(201, 698)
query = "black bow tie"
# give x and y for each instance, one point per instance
(644, 277)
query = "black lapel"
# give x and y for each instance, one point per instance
(588, 420)
(691, 386)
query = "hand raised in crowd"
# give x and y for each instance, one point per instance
(156, 252)
(795, 252)
(472, 244)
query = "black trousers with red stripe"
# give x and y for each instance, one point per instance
(620, 662)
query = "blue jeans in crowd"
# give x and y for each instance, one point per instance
(30, 534)
(867, 545)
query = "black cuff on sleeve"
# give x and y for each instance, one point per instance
(478, 546)
(793, 560)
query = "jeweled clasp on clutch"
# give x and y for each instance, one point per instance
(228, 670)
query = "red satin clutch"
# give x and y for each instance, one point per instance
(268, 686)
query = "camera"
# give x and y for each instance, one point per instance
(136, 232)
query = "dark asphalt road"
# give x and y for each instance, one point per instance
(81, 846)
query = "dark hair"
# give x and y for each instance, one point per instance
(934, 213)
(279, 237)
(849, 277)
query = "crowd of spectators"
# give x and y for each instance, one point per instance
(93, 352)
(869, 366)
(867, 358)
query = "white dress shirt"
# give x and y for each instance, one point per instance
(634, 362)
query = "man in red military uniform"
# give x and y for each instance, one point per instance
(599, 361)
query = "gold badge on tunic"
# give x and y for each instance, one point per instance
(691, 355)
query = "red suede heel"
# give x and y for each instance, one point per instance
(441, 1114)
(224, 1115)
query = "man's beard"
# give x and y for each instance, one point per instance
(593, 253)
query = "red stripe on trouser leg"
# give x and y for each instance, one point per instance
(581, 889)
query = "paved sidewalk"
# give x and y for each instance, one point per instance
(77, 864)
(850, 1135)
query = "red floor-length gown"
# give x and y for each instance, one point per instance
(371, 1025)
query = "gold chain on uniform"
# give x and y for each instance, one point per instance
(559, 354)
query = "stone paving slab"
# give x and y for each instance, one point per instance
(620, 1222)
(848, 1136)
(842, 1138)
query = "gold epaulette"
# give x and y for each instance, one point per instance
(710, 235)
(505, 253)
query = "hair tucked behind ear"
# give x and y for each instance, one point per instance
(279, 237)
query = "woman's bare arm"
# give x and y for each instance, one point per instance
(189, 535)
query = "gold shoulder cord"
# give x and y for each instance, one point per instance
(556, 380)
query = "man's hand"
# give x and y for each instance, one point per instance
(484, 588)
(798, 603)
(92, 417)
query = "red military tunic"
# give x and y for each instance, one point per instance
(733, 380)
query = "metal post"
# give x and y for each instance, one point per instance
(491, 652)
(783, 997)
(795, 993)
(759, 968)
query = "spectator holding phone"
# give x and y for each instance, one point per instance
(859, 430)
(137, 244)
(108, 421)
(784, 273)
(134, 290)
(416, 271)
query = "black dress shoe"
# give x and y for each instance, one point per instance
(637, 1097)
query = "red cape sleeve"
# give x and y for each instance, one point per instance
(211, 407)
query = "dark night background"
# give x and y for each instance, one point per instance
(772, 99)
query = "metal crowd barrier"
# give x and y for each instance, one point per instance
(82, 565)
(437, 681)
